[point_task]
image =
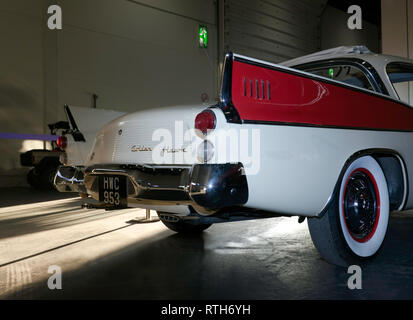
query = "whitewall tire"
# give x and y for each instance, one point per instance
(355, 225)
(369, 243)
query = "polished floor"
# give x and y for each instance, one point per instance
(107, 255)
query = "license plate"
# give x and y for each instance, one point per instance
(113, 190)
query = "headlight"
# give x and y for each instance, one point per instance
(205, 151)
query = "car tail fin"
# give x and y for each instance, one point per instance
(245, 81)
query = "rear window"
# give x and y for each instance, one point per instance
(344, 73)
(401, 77)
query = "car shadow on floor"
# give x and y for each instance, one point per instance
(25, 195)
(33, 220)
(202, 267)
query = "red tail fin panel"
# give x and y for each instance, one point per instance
(270, 94)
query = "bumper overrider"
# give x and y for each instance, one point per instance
(205, 187)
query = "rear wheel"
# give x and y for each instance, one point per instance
(354, 227)
(183, 227)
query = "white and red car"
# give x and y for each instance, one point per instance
(327, 136)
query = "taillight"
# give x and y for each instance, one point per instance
(205, 121)
(62, 142)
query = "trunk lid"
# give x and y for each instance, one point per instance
(153, 136)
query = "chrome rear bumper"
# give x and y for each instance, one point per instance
(204, 186)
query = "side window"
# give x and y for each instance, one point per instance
(401, 77)
(344, 73)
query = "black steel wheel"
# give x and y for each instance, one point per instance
(353, 229)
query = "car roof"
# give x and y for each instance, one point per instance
(359, 52)
(378, 61)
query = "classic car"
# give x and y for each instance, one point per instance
(76, 142)
(327, 137)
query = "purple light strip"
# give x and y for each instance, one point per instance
(23, 136)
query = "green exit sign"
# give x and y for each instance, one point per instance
(203, 36)
(331, 72)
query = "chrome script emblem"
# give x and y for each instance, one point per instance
(172, 150)
(140, 149)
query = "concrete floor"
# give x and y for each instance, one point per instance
(103, 254)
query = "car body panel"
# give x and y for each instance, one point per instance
(315, 101)
(378, 61)
(132, 139)
(88, 121)
(84, 124)
(308, 128)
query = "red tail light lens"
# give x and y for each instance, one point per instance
(205, 121)
(62, 142)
